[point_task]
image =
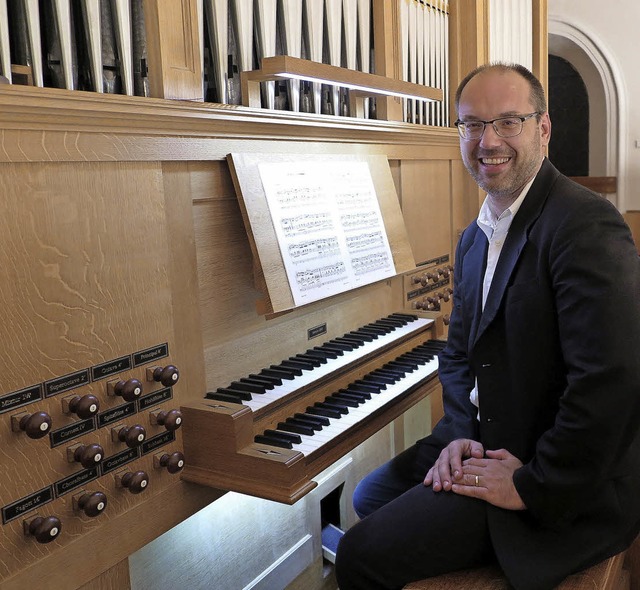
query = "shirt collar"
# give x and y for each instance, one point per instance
(487, 220)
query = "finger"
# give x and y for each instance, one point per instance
(499, 454)
(432, 480)
(444, 474)
(476, 450)
(459, 449)
(428, 479)
(471, 491)
(472, 479)
(474, 463)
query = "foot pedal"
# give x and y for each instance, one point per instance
(331, 535)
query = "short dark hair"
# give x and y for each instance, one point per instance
(537, 96)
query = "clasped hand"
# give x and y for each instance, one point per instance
(464, 468)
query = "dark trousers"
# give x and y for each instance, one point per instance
(408, 531)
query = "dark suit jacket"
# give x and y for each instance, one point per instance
(556, 354)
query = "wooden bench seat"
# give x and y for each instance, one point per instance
(607, 575)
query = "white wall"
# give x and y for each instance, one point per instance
(611, 28)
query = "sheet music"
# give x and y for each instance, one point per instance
(329, 226)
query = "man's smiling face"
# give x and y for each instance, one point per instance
(502, 165)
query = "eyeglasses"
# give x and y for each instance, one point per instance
(503, 126)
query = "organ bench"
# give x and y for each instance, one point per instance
(610, 574)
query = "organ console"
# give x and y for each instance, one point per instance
(146, 376)
(313, 407)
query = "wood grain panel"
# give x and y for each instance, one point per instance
(89, 279)
(173, 46)
(426, 207)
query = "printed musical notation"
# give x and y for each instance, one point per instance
(328, 224)
(310, 279)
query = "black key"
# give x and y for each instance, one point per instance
(379, 330)
(369, 332)
(353, 388)
(358, 400)
(428, 355)
(322, 420)
(329, 406)
(393, 324)
(267, 379)
(330, 354)
(297, 428)
(361, 336)
(363, 395)
(369, 380)
(273, 441)
(237, 392)
(347, 401)
(373, 388)
(363, 388)
(358, 340)
(294, 438)
(342, 346)
(412, 358)
(328, 402)
(266, 383)
(297, 365)
(346, 339)
(294, 371)
(393, 371)
(244, 386)
(403, 365)
(279, 373)
(306, 423)
(315, 361)
(327, 412)
(404, 316)
(379, 377)
(321, 355)
(223, 397)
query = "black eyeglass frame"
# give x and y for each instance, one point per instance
(459, 125)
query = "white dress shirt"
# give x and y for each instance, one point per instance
(496, 230)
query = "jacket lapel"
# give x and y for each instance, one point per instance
(475, 262)
(514, 243)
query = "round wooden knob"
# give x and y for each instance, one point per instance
(446, 318)
(135, 482)
(92, 503)
(168, 375)
(44, 529)
(88, 455)
(132, 436)
(174, 462)
(129, 390)
(36, 425)
(84, 406)
(171, 420)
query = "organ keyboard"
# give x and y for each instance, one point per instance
(269, 433)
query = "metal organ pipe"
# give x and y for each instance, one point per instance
(101, 46)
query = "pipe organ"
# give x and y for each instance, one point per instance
(154, 393)
(101, 46)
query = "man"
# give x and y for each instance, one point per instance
(536, 463)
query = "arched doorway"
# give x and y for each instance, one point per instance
(606, 102)
(569, 112)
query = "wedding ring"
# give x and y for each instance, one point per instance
(477, 480)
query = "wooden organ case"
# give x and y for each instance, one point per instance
(128, 292)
